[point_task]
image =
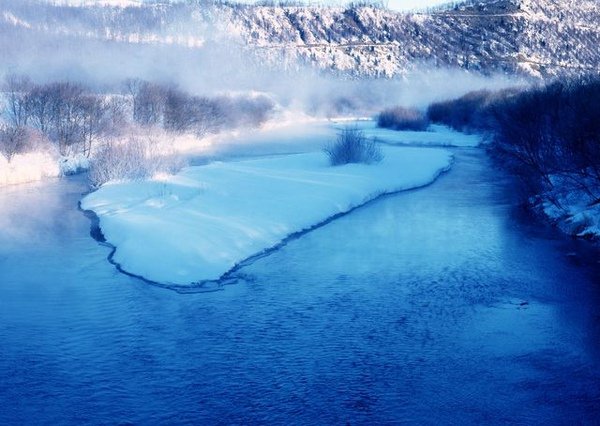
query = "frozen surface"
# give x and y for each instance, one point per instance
(36, 166)
(197, 225)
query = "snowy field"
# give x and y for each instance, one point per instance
(197, 225)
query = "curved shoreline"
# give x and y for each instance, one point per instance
(228, 276)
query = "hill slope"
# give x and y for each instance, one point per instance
(541, 38)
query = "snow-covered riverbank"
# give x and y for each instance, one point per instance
(30, 167)
(575, 213)
(199, 224)
(305, 135)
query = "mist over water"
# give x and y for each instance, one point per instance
(101, 49)
(229, 68)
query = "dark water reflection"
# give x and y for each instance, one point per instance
(434, 306)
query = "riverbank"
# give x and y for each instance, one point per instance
(575, 213)
(548, 136)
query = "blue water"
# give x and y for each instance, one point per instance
(436, 306)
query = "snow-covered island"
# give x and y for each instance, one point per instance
(197, 225)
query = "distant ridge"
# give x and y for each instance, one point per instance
(538, 38)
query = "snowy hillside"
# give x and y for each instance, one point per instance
(540, 38)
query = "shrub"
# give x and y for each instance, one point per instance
(543, 134)
(351, 146)
(400, 118)
(13, 140)
(467, 113)
(177, 111)
(552, 130)
(242, 110)
(132, 159)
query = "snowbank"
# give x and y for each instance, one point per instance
(575, 212)
(28, 167)
(73, 165)
(199, 224)
(35, 166)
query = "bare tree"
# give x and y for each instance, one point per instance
(148, 101)
(12, 141)
(208, 116)
(117, 107)
(39, 105)
(17, 88)
(67, 115)
(179, 115)
(132, 89)
(95, 120)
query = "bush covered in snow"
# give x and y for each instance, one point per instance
(131, 159)
(83, 126)
(27, 167)
(399, 118)
(73, 165)
(351, 146)
(13, 140)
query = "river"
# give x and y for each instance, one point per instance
(433, 306)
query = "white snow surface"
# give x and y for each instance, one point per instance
(36, 166)
(197, 225)
(27, 167)
(70, 165)
(574, 211)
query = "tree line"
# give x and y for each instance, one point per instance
(63, 113)
(547, 135)
(74, 118)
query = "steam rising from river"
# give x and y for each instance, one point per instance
(213, 62)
